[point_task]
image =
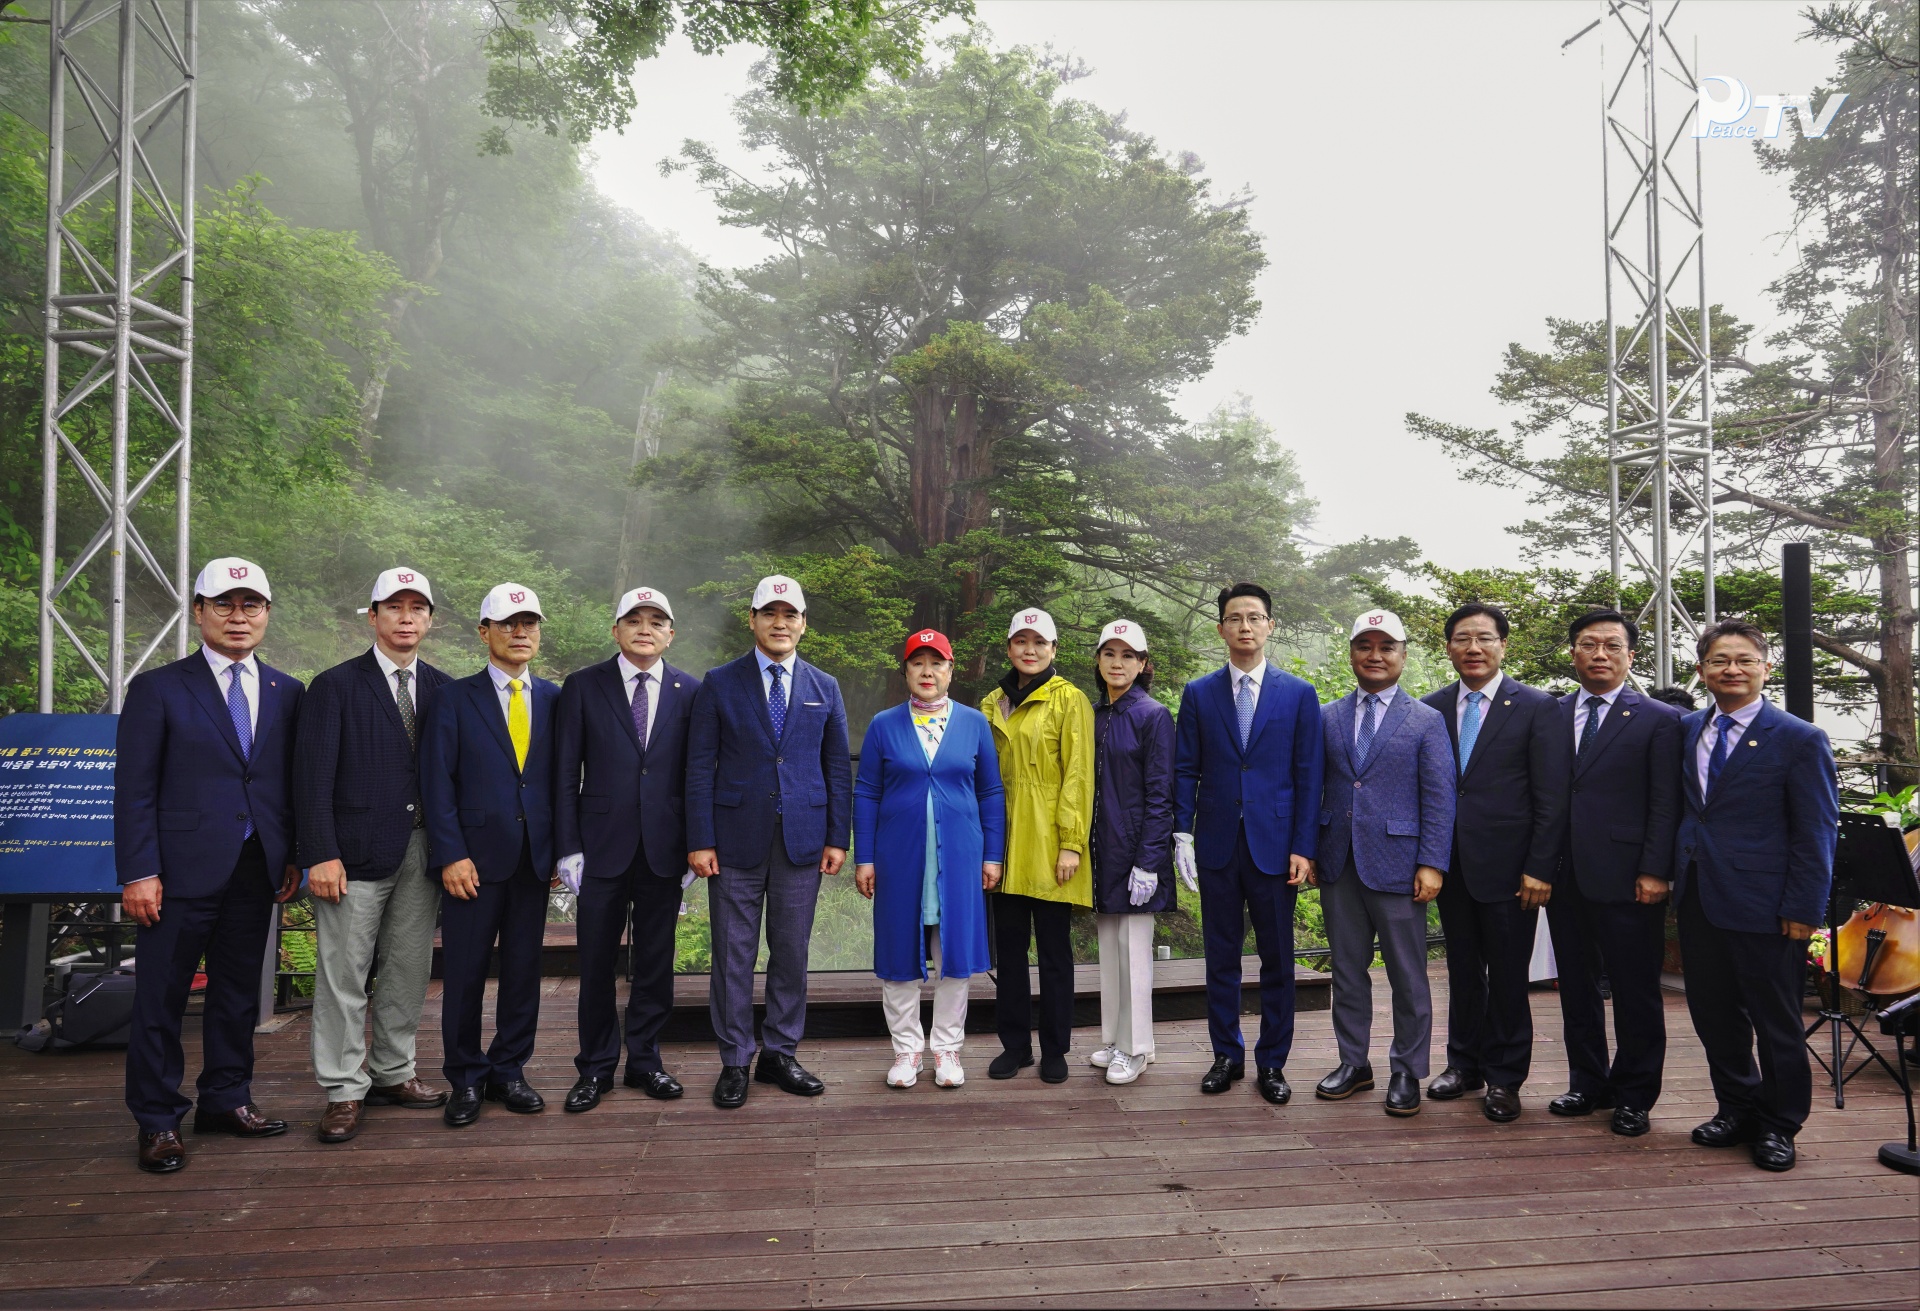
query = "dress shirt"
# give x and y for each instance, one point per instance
(388, 667)
(1460, 706)
(1235, 675)
(1743, 719)
(1360, 709)
(500, 679)
(766, 679)
(931, 728)
(1580, 710)
(630, 676)
(249, 682)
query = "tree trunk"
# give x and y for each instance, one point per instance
(1890, 400)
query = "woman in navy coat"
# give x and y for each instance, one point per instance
(1132, 844)
(929, 824)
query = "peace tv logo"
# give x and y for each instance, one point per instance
(516, 597)
(1725, 102)
(236, 571)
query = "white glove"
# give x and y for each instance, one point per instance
(1183, 862)
(1141, 885)
(571, 869)
(686, 880)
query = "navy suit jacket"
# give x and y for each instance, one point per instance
(1625, 796)
(737, 772)
(183, 795)
(481, 806)
(1274, 784)
(1510, 808)
(1762, 844)
(356, 778)
(611, 798)
(1395, 812)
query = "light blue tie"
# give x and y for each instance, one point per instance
(1369, 725)
(1243, 708)
(242, 723)
(1470, 727)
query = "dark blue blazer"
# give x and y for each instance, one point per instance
(480, 805)
(1625, 796)
(356, 778)
(1394, 813)
(1510, 804)
(1274, 785)
(1762, 844)
(182, 793)
(611, 798)
(737, 772)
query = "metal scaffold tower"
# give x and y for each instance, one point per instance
(119, 419)
(1659, 330)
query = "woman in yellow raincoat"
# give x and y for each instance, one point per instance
(1043, 730)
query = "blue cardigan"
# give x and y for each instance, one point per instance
(890, 832)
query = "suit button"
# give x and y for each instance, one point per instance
(1356, 782)
(409, 805)
(774, 795)
(643, 773)
(240, 818)
(246, 778)
(519, 819)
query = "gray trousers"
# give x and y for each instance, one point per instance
(1355, 916)
(393, 919)
(736, 900)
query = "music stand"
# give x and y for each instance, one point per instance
(1870, 863)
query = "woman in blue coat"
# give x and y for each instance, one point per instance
(1132, 844)
(929, 831)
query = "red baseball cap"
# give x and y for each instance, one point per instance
(927, 637)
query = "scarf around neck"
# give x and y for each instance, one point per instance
(1015, 694)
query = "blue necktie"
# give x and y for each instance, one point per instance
(1243, 708)
(242, 724)
(1595, 707)
(1369, 725)
(777, 702)
(640, 709)
(1470, 727)
(1716, 762)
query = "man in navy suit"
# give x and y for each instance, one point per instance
(1510, 818)
(1386, 835)
(1753, 864)
(620, 762)
(203, 842)
(363, 839)
(1609, 899)
(1247, 766)
(486, 772)
(769, 810)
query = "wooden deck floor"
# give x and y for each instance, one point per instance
(995, 1194)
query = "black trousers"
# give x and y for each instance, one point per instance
(1628, 940)
(1743, 992)
(512, 913)
(602, 918)
(229, 929)
(1489, 1017)
(1016, 920)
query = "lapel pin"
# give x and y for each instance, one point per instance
(1506, 703)
(1626, 714)
(1753, 742)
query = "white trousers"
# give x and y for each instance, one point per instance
(901, 1001)
(1126, 982)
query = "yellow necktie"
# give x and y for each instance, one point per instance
(519, 722)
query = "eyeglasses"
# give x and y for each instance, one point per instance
(1719, 664)
(1590, 647)
(253, 607)
(1244, 621)
(518, 625)
(1470, 640)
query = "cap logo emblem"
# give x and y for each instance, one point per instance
(406, 578)
(1032, 619)
(779, 589)
(644, 596)
(925, 637)
(236, 571)
(1119, 628)
(516, 597)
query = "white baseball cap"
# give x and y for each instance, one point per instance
(639, 596)
(401, 579)
(508, 600)
(1126, 631)
(779, 587)
(1379, 621)
(230, 574)
(1038, 620)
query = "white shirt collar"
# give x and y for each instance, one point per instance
(387, 665)
(1488, 691)
(767, 662)
(219, 663)
(501, 678)
(1258, 674)
(1386, 697)
(1744, 716)
(1607, 697)
(628, 670)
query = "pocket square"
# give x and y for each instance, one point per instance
(812, 703)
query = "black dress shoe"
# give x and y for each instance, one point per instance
(463, 1106)
(1225, 1073)
(1403, 1095)
(1053, 1069)
(1725, 1130)
(657, 1084)
(1579, 1103)
(788, 1074)
(1454, 1082)
(1274, 1086)
(1773, 1151)
(586, 1093)
(162, 1152)
(242, 1122)
(1502, 1104)
(1344, 1082)
(730, 1090)
(517, 1095)
(1007, 1064)
(1629, 1123)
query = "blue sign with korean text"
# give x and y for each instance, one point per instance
(56, 806)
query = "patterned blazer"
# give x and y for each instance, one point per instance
(1395, 811)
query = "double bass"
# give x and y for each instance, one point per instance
(1878, 949)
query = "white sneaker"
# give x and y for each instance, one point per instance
(1126, 1067)
(906, 1070)
(1102, 1058)
(946, 1070)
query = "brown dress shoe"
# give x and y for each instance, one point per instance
(242, 1121)
(162, 1153)
(412, 1094)
(340, 1122)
